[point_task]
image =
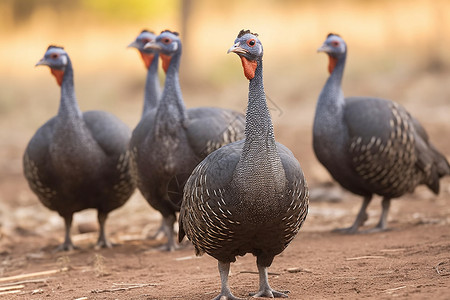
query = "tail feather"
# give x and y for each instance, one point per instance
(439, 169)
(441, 162)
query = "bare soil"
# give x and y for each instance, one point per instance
(410, 261)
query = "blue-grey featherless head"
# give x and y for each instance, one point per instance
(334, 46)
(167, 43)
(55, 58)
(247, 45)
(143, 38)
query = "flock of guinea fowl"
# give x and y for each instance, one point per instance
(236, 189)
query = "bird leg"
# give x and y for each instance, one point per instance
(67, 245)
(225, 292)
(382, 224)
(264, 288)
(167, 227)
(360, 218)
(102, 242)
(158, 232)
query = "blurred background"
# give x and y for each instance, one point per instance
(398, 49)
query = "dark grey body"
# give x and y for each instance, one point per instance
(74, 169)
(79, 160)
(167, 151)
(370, 145)
(171, 140)
(226, 217)
(374, 146)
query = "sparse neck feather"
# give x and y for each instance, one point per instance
(171, 101)
(152, 88)
(68, 107)
(259, 159)
(336, 68)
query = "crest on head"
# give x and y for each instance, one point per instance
(55, 47)
(148, 31)
(335, 34)
(170, 31)
(244, 32)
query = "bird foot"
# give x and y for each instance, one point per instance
(270, 293)
(346, 230)
(66, 247)
(169, 247)
(376, 229)
(104, 244)
(227, 296)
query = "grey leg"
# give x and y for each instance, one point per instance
(167, 227)
(225, 292)
(382, 224)
(158, 232)
(102, 242)
(67, 245)
(264, 288)
(360, 218)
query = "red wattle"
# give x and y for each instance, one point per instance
(59, 74)
(249, 67)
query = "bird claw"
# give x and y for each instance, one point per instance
(169, 247)
(376, 229)
(270, 293)
(227, 297)
(66, 247)
(346, 230)
(104, 244)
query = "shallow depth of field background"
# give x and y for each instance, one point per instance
(397, 50)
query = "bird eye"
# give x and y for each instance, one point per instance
(166, 41)
(145, 41)
(54, 56)
(335, 43)
(251, 42)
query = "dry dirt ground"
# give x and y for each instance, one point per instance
(410, 261)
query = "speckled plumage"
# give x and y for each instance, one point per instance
(249, 196)
(370, 145)
(78, 160)
(171, 140)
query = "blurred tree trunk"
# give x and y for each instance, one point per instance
(186, 11)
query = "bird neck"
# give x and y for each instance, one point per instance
(336, 68)
(68, 108)
(259, 158)
(331, 98)
(171, 107)
(152, 88)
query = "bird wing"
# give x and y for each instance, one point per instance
(210, 128)
(111, 134)
(385, 141)
(203, 197)
(296, 192)
(37, 163)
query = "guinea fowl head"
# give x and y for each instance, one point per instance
(143, 38)
(250, 50)
(336, 49)
(57, 59)
(168, 44)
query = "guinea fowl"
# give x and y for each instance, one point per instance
(369, 145)
(151, 97)
(78, 160)
(171, 140)
(249, 196)
(150, 58)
